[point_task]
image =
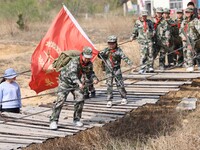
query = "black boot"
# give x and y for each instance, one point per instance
(93, 94)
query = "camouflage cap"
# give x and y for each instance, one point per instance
(159, 10)
(112, 39)
(189, 9)
(87, 52)
(166, 10)
(144, 13)
(179, 11)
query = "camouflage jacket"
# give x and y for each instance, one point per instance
(163, 31)
(113, 57)
(190, 29)
(178, 22)
(178, 25)
(173, 30)
(74, 70)
(142, 34)
(88, 72)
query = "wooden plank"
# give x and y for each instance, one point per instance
(110, 109)
(69, 114)
(105, 111)
(103, 96)
(133, 93)
(137, 76)
(43, 119)
(6, 146)
(99, 120)
(96, 114)
(154, 90)
(165, 72)
(22, 137)
(31, 131)
(19, 140)
(162, 76)
(41, 127)
(135, 85)
(116, 104)
(63, 120)
(150, 101)
(45, 123)
(175, 76)
(92, 118)
(71, 111)
(147, 82)
(174, 71)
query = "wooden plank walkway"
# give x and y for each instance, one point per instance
(32, 124)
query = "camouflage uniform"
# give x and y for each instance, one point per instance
(170, 49)
(69, 79)
(162, 37)
(190, 30)
(143, 31)
(88, 79)
(113, 58)
(178, 41)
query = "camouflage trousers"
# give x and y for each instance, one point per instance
(159, 49)
(190, 56)
(179, 53)
(146, 55)
(89, 86)
(61, 98)
(119, 83)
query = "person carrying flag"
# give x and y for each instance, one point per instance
(70, 78)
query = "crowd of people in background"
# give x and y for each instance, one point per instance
(177, 40)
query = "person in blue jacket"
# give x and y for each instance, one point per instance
(10, 94)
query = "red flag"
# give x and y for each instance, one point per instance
(64, 34)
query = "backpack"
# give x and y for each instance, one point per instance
(64, 58)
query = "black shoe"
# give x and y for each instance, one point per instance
(93, 94)
(86, 96)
